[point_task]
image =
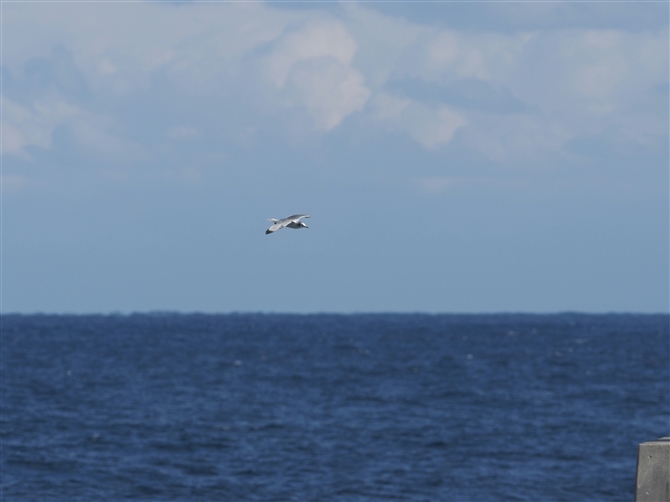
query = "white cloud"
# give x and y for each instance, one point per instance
(450, 52)
(429, 126)
(573, 82)
(316, 40)
(448, 55)
(329, 66)
(106, 67)
(118, 47)
(33, 126)
(314, 64)
(599, 64)
(386, 45)
(574, 69)
(328, 90)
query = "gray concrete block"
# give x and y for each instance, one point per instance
(653, 471)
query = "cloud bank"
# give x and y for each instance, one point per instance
(507, 95)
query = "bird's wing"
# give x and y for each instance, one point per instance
(277, 226)
(296, 217)
(273, 220)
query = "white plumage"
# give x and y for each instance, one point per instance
(290, 222)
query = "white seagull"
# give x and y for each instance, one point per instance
(289, 221)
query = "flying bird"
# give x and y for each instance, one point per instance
(289, 221)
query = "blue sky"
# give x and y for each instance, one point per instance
(455, 157)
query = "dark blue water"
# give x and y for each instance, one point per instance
(330, 407)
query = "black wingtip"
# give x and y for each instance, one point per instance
(267, 232)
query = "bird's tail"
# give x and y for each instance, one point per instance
(273, 220)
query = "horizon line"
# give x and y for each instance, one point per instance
(159, 312)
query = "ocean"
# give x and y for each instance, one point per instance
(375, 407)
